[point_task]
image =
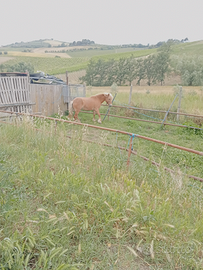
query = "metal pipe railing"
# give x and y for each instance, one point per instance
(151, 110)
(112, 130)
(149, 121)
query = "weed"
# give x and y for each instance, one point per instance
(69, 204)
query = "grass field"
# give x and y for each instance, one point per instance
(99, 52)
(189, 49)
(69, 204)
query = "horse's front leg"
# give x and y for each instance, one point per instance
(99, 121)
(94, 116)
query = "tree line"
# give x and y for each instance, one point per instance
(152, 68)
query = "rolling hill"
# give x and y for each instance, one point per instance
(55, 57)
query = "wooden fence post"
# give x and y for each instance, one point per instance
(179, 102)
(67, 77)
(130, 95)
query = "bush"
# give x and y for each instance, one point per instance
(21, 67)
(191, 70)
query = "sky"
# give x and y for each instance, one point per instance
(110, 22)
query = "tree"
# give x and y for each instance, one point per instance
(140, 70)
(90, 73)
(120, 74)
(161, 66)
(166, 46)
(149, 69)
(21, 67)
(100, 73)
(191, 70)
(130, 70)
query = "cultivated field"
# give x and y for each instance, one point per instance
(69, 204)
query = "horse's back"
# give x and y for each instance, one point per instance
(86, 103)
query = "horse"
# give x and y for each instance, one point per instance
(92, 103)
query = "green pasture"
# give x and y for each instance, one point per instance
(186, 137)
(100, 52)
(156, 97)
(52, 65)
(117, 56)
(69, 204)
(191, 102)
(188, 49)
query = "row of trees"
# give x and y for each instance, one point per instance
(152, 68)
(84, 42)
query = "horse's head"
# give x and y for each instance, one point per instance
(108, 98)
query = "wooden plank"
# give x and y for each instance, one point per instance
(10, 91)
(6, 91)
(19, 91)
(3, 98)
(24, 90)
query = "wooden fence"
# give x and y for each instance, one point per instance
(15, 93)
(18, 95)
(47, 99)
(51, 99)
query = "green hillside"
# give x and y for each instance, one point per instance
(80, 56)
(189, 49)
(52, 65)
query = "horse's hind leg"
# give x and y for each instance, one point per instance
(76, 116)
(99, 121)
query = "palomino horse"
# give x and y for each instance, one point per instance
(92, 103)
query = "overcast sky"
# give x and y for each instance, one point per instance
(111, 22)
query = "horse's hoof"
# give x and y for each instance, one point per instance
(99, 122)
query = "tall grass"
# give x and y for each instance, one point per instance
(68, 204)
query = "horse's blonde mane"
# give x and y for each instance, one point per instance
(108, 94)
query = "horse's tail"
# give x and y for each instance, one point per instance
(70, 109)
